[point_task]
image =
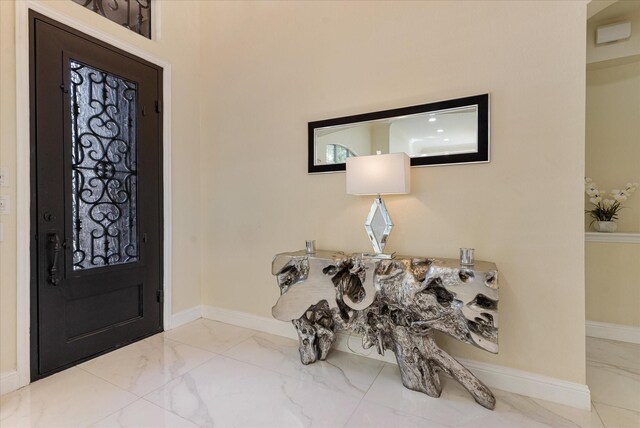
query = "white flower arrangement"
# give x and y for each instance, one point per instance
(607, 209)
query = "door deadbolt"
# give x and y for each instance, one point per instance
(48, 217)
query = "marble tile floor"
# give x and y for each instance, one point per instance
(207, 374)
(613, 376)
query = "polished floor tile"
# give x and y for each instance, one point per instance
(615, 417)
(369, 415)
(208, 373)
(146, 365)
(614, 385)
(143, 414)
(229, 393)
(513, 410)
(579, 417)
(72, 398)
(342, 372)
(614, 353)
(456, 407)
(613, 376)
(452, 408)
(210, 335)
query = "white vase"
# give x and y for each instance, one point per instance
(606, 226)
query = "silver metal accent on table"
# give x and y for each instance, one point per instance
(396, 305)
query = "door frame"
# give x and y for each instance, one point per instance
(23, 169)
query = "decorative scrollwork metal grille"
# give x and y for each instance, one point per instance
(132, 14)
(104, 168)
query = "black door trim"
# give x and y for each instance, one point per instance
(33, 211)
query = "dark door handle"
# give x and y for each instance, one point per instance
(54, 241)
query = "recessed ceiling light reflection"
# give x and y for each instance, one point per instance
(440, 130)
(446, 139)
(432, 119)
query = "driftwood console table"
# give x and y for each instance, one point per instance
(395, 304)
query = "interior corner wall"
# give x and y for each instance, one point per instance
(179, 45)
(274, 66)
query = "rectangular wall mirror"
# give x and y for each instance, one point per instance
(440, 133)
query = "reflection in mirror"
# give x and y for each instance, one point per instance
(439, 133)
(337, 153)
(454, 131)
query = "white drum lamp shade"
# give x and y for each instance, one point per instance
(386, 174)
(379, 175)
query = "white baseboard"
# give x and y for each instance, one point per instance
(531, 384)
(504, 378)
(255, 322)
(184, 317)
(9, 382)
(623, 333)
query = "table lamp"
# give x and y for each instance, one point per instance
(387, 174)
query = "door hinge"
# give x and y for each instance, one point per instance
(160, 296)
(158, 106)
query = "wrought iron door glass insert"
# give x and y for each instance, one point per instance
(104, 168)
(132, 14)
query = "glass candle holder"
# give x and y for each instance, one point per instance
(310, 246)
(466, 256)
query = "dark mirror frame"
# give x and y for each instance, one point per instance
(482, 155)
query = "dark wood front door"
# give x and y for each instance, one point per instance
(97, 197)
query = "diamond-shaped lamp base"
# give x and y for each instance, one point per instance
(378, 225)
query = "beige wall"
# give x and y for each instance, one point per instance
(179, 45)
(613, 289)
(7, 159)
(613, 135)
(272, 67)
